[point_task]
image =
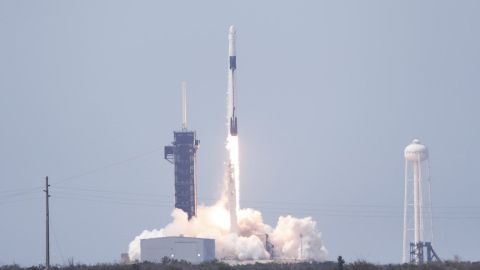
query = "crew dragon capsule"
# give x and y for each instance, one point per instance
(231, 78)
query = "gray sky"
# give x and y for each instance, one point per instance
(329, 95)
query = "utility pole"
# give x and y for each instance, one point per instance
(47, 226)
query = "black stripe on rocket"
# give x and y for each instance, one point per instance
(233, 119)
(233, 62)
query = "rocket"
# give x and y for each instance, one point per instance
(231, 78)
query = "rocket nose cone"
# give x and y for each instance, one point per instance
(231, 30)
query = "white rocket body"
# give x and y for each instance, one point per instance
(231, 80)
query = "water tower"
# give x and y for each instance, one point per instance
(417, 208)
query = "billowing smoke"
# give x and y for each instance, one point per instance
(292, 238)
(241, 234)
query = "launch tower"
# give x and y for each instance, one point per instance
(182, 153)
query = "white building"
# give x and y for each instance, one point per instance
(191, 249)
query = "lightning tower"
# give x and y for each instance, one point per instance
(417, 214)
(183, 154)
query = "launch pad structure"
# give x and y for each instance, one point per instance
(416, 252)
(183, 155)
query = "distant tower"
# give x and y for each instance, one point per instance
(417, 211)
(182, 153)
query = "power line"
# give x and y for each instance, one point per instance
(113, 192)
(57, 245)
(16, 200)
(257, 203)
(113, 164)
(151, 198)
(17, 190)
(114, 202)
(352, 213)
(18, 194)
(95, 196)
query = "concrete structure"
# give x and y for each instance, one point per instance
(183, 153)
(417, 214)
(194, 250)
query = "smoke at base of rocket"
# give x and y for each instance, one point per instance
(249, 243)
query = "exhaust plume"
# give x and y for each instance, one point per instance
(292, 238)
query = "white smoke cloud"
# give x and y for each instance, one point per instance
(249, 244)
(293, 236)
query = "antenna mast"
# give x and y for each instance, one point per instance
(184, 105)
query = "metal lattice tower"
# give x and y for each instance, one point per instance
(183, 154)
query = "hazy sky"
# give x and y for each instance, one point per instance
(329, 95)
